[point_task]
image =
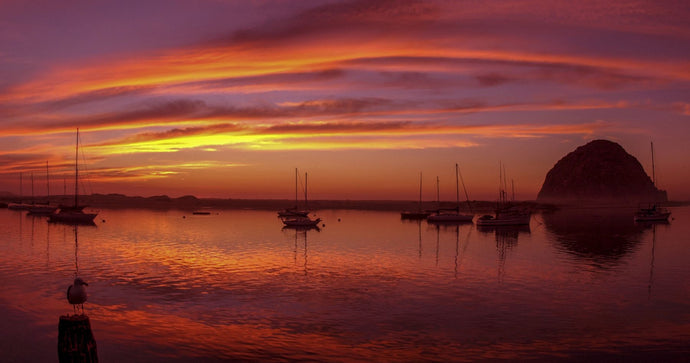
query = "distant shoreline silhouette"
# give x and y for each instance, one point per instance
(189, 202)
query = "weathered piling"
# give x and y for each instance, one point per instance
(75, 339)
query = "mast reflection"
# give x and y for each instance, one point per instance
(506, 238)
(302, 231)
(76, 342)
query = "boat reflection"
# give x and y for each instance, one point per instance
(506, 239)
(602, 236)
(301, 233)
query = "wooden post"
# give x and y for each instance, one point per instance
(75, 340)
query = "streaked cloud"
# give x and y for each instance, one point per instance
(342, 76)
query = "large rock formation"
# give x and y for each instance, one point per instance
(601, 172)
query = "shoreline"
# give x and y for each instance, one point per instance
(192, 203)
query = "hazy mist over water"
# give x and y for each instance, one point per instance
(170, 286)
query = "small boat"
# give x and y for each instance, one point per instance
(452, 215)
(446, 216)
(510, 216)
(292, 212)
(652, 212)
(295, 211)
(505, 213)
(419, 213)
(299, 221)
(38, 209)
(42, 209)
(73, 214)
(19, 205)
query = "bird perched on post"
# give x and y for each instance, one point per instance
(76, 294)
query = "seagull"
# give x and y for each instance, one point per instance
(76, 294)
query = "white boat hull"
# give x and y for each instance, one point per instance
(518, 220)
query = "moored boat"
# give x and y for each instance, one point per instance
(299, 221)
(510, 216)
(419, 213)
(74, 214)
(452, 215)
(296, 211)
(652, 212)
(505, 214)
(43, 209)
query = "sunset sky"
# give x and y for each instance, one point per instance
(223, 98)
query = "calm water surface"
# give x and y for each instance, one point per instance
(576, 285)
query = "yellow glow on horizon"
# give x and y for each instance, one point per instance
(407, 137)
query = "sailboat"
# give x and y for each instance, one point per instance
(506, 214)
(295, 211)
(453, 215)
(419, 213)
(20, 205)
(300, 220)
(42, 208)
(652, 212)
(74, 214)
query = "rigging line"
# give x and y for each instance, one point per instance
(86, 171)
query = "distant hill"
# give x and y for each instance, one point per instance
(599, 172)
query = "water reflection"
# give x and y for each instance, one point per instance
(602, 236)
(301, 234)
(653, 227)
(76, 342)
(506, 238)
(226, 287)
(458, 256)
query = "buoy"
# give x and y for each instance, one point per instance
(338, 219)
(184, 216)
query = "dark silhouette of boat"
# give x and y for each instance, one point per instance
(452, 215)
(419, 213)
(74, 214)
(295, 211)
(505, 214)
(652, 212)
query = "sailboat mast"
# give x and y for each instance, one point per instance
(21, 192)
(296, 196)
(420, 190)
(438, 194)
(653, 172)
(306, 203)
(76, 172)
(505, 185)
(467, 197)
(32, 187)
(457, 189)
(500, 182)
(47, 180)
